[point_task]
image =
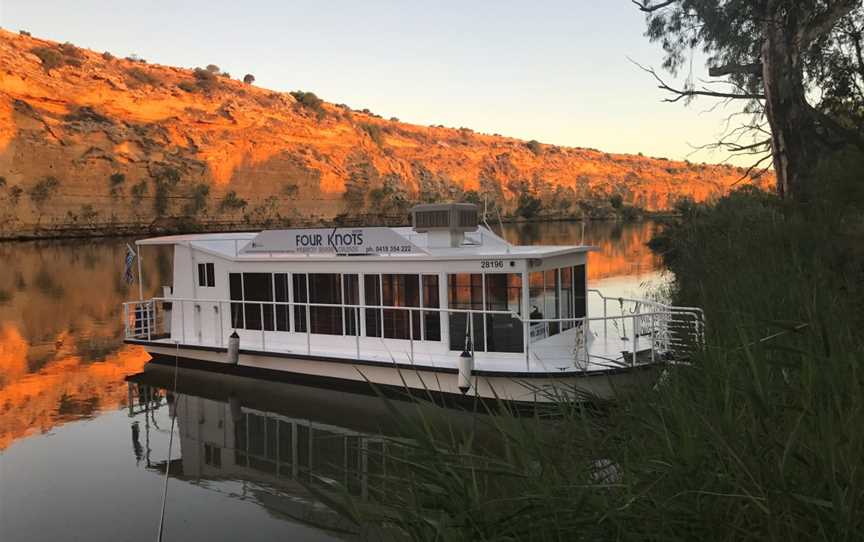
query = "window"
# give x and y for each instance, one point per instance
(301, 295)
(503, 293)
(579, 291)
(431, 319)
(280, 289)
(325, 288)
(401, 291)
(351, 295)
(465, 291)
(372, 291)
(206, 275)
(235, 286)
(258, 287)
(544, 299)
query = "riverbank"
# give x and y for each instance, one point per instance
(183, 225)
(759, 437)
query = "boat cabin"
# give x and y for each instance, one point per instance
(425, 293)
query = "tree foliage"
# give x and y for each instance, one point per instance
(796, 64)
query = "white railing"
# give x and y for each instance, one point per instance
(683, 328)
(646, 332)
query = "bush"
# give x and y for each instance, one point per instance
(188, 86)
(43, 190)
(51, 58)
(143, 76)
(24, 33)
(115, 184)
(205, 80)
(374, 132)
(107, 56)
(310, 101)
(231, 203)
(248, 78)
(212, 68)
(616, 201)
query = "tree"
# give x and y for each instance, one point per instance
(248, 78)
(776, 56)
(42, 192)
(212, 68)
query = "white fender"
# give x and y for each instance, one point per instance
(466, 367)
(234, 349)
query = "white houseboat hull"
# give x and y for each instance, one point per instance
(405, 379)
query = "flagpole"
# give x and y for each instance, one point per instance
(140, 282)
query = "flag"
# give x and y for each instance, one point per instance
(128, 275)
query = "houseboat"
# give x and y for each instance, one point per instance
(444, 307)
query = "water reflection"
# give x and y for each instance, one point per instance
(283, 446)
(61, 351)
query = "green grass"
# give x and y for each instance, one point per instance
(760, 438)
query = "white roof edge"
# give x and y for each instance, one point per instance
(186, 238)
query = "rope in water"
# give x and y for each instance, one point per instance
(170, 443)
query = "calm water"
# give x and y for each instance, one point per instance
(83, 453)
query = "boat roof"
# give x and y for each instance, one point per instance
(286, 244)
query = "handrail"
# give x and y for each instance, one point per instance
(390, 307)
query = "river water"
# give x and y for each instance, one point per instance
(83, 453)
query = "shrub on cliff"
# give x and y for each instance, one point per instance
(24, 33)
(50, 57)
(310, 101)
(374, 132)
(248, 78)
(115, 184)
(212, 68)
(142, 76)
(231, 203)
(205, 80)
(535, 146)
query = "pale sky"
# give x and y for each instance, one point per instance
(555, 71)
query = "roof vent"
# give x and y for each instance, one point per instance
(445, 223)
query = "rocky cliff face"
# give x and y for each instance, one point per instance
(88, 140)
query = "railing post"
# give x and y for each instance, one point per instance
(357, 329)
(605, 321)
(218, 308)
(263, 344)
(150, 319)
(308, 330)
(635, 339)
(182, 323)
(653, 345)
(527, 338)
(411, 332)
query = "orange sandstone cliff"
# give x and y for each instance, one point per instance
(90, 140)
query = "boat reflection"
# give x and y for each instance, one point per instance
(282, 445)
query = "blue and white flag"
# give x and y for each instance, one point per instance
(128, 275)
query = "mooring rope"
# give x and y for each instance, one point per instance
(170, 443)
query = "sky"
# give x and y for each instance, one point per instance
(554, 71)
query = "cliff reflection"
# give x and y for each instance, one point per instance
(623, 246)
(61, 351)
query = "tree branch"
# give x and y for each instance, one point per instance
(690, 93)
(826, 20)
(645, 5)
(754, 68)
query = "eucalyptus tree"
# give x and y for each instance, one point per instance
(796, 64)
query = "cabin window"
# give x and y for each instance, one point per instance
(258, 287)
(465, 291)
(372, 291)
(567, 299)
(280, 289)
(544, 298)
(401, 291)
(206, 275)
(351, 295)
(301, 295)
(325, 288)
(579, 292)
(503, 293)
(235, 287)
(213, 455)
(431, 319)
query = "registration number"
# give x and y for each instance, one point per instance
(491, 264)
